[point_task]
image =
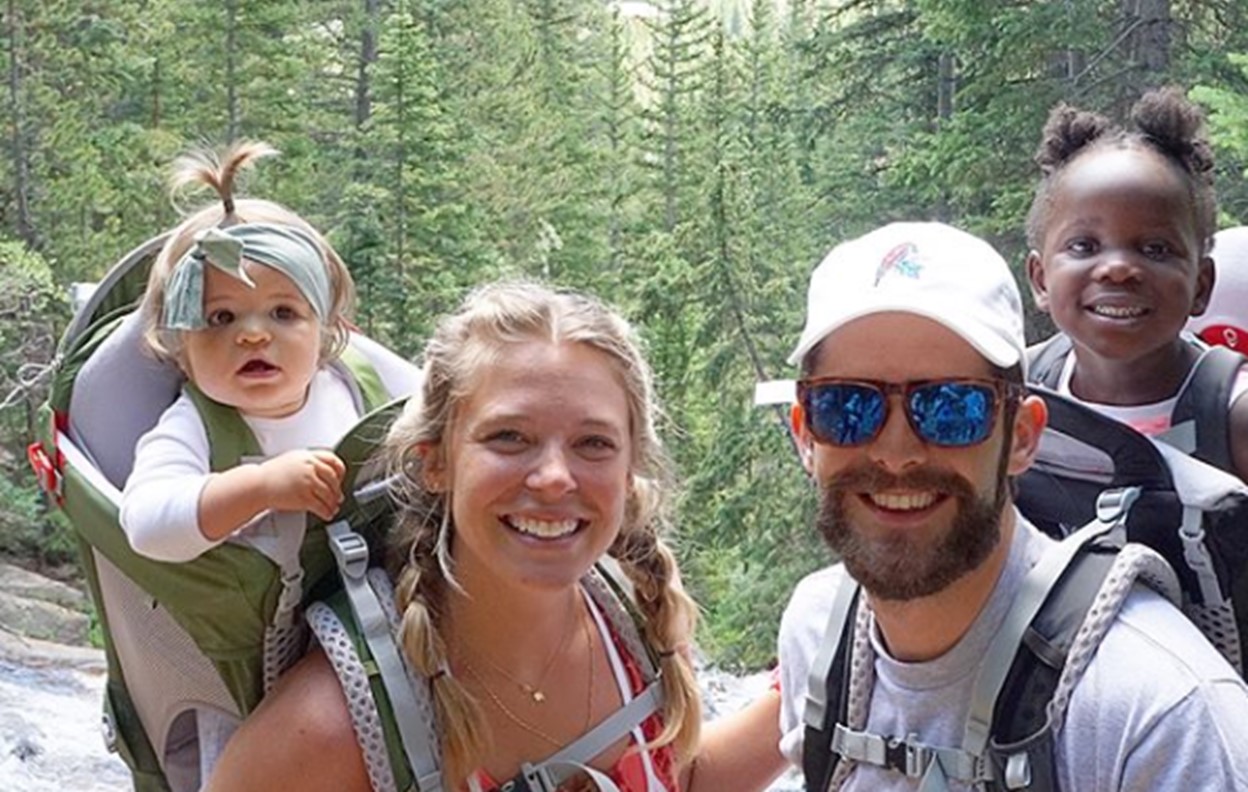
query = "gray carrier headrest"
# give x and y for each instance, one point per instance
(118, 395)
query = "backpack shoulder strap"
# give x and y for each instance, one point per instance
(827, 688)
(614, 593)
(407, 697)
(1200, 423)
(1047, 613)
(229, 437)
(1045, 360)
(1017, 733)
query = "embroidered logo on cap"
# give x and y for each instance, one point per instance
(902, 259)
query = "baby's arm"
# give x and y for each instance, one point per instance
(159, 509)
(172, 487)
(301, 480)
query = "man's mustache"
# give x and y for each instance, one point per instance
(873, 478)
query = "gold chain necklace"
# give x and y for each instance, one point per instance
(525, 724)
(534, 691)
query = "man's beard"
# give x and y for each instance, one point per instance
(905, 567)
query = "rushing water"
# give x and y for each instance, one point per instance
(50, 738)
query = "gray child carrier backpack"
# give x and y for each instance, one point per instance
(210, 633)
(1192, 509)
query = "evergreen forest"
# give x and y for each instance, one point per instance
(689, 161)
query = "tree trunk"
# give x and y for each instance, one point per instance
(25, 227)
(231, 68)
(946, 85)
(1150, 44)
(368, 56)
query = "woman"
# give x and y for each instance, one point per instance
(530, 455)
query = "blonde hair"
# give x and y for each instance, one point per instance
(221, 172)
(492, 319)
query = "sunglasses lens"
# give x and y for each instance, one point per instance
(845, 414)
(952, 413)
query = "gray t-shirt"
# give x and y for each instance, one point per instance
(1157, 708)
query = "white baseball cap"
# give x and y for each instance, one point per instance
(1225, 320)
(928, 269)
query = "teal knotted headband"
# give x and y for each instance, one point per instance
(289, 250)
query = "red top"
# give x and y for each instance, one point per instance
(629, 773)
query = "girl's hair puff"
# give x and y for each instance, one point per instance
(492, 319)
(1163, 121)
(221, 173)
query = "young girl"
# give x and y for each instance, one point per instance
(252, 304)
(531, 454)
(1120, 231)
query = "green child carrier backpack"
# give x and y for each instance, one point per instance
(212, 633)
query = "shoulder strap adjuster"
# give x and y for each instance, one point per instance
(349, 548)
(1112, 505)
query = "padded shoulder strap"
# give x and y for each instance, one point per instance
(1205, 401)
(614, 594)
(229, 437)
(351, 552)
(827, 689)
(1019, 710)
(1045, 360)
(1137, 462)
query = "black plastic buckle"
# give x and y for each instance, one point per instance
(529, 779)
(896, 753)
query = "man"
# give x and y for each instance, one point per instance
(911, 420)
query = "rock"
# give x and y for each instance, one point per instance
(43, 620)
(33, 606)
(38, 654)
(21, 583)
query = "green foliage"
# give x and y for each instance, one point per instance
(32, 307)
(27, 528)
(688, 161)
(1228, 128)
(1228, 119)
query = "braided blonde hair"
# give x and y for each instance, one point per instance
(492, 319)
(221, 173)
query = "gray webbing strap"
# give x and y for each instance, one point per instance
(351, 552)
(572, 758)
(817, 684)
(291, 527)
(278, 536)
(1196, 554)
(1112, 509)
(1182, 436)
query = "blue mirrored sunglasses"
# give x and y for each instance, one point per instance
(953, 413)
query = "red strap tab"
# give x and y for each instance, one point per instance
(46, 471)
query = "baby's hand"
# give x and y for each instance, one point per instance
(304, 480)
